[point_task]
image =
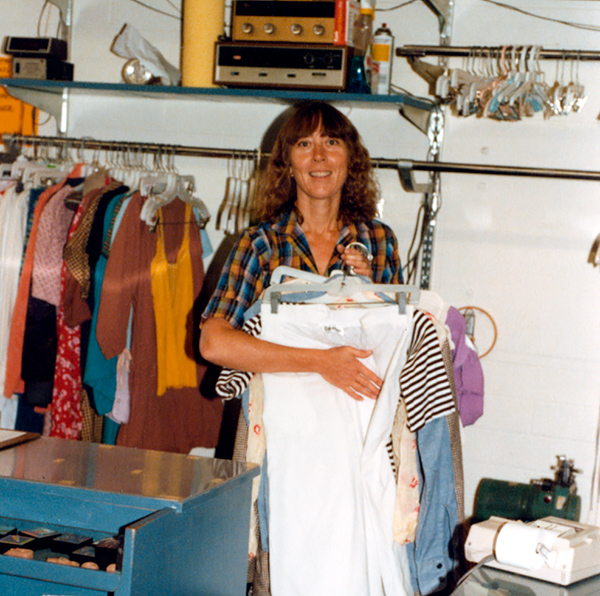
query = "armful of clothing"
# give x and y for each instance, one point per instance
(224, 345)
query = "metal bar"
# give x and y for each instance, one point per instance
(466, 51)
(494, 170)
(380, 162)
(102, 145)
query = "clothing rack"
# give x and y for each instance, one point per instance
(404, 166)
(419, 51)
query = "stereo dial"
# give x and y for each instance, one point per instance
(319, 30)
(247, 28)
(269, 28)
(309, 58)
(296, 29)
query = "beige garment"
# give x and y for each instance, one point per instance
(406, 514)
(256, 450)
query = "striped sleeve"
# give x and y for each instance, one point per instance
(424, 383)
(232, 383)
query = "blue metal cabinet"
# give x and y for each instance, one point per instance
(184, 520)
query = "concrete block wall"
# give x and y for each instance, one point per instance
(515, 247)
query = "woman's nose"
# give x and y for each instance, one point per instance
(318, 151)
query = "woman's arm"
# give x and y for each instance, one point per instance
(226, 346)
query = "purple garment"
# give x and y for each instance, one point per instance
(468, 374)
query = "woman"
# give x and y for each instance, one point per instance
(317, 196)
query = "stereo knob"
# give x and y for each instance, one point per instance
(247, 28)
(309, 58)
(319, 30)
(327, 59)
(296, 29)
(269, 28)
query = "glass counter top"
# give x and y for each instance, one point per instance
(113, 469)
(486, 581)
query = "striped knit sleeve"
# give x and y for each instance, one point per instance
(424, 383)
(232, 383)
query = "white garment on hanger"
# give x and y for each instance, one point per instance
(331, 485)
(13, 224)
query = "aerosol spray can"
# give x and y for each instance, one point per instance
(382, 52)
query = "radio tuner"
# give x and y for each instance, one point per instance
(290, 21)
(280, 65)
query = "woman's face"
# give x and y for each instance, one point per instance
(319, 164)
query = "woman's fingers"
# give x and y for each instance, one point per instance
(344, 369)
(356, 261)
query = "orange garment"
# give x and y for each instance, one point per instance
(13, 383)
(173, 294)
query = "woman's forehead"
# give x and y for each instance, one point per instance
(318, 129)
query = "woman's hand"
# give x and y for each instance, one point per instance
(222, 344)
(355, 260)
(342, 368)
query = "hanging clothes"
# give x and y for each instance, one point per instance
(40, 340)
(173, 295)
(13, 225)
(13, 382)
(426, 464)
(100, 375)
(178, 419)
(331, 486)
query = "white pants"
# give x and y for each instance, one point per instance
(331, 486)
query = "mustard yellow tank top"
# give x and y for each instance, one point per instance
(173, 295)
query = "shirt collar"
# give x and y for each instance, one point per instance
(289, 224)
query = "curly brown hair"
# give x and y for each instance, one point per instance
(277, 189)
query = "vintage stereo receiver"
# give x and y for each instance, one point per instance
(295, 21)
(281, 65)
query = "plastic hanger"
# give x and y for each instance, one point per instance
(338, 285)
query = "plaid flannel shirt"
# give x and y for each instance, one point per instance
(263, 248)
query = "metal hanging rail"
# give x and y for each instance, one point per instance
(404, 166)
(419, 51)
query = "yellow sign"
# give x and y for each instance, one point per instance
(16, 117)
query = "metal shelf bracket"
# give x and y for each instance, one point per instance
(65, 7)
(443, 10)
(55, 104)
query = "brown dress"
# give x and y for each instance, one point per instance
(178, 419)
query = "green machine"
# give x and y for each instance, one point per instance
(540, 498)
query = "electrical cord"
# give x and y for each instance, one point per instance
(158, 10)
(413, 253)
(468, 574)
(395, 7)
(536, 16)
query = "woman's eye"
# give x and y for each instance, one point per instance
(334, 141)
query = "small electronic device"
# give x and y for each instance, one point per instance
(280, 65)
(550, 549)
(36, 47)
(295, 21)
(39, 58)
(49, 69)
